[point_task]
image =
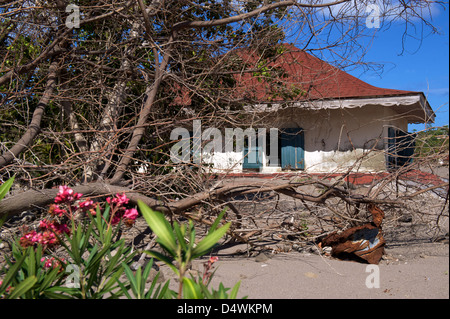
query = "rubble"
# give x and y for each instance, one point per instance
(362, 243)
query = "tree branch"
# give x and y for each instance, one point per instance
(35, 124)
(40, 198)
(143, 116)
(281, 4)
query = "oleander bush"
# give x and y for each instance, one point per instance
(76, 253)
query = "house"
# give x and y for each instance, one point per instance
(327, 120)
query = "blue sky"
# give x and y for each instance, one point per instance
(423, 66)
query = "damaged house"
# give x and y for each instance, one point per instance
(330, 121)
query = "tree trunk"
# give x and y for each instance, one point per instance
(35, 124)
(103, 144)
(40, 198)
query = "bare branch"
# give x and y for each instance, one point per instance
(35, 124)
(256, 12)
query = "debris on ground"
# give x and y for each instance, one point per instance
(361, 243)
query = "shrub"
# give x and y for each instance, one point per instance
(96, 261)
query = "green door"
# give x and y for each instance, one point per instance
(292, 148)
(252, 154)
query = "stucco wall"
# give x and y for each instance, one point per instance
(224, 162)
(334, 139)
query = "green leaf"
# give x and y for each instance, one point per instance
(95, 262)
(150, 291)
(132, 279)
(234, 291)
(217, 221)
(31, 261)
(222, 291)
(84, 239)
(139, 285)
(147, 270)
(124, 289)
(12, 272)
(160, 226)
(98, 221)
(91, 255)
(191, 290)
(49, 278)
(4, 188)
(162, 258)
(150, 294)
(179, 234)
(55, 295)
(23, 287)
(75, 246)
(206, 293)
(113, 261)
(166, 292)
(114, 279)
(209, 241)
(70, 293)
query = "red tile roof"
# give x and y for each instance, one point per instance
(299, 76)
(303, 76)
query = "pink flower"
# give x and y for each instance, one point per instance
(66, 195)
(86, 205)
(56, 210)
(47, 238)
(61, 228)
(131, 213)
(50, 262)
(43, 224)
(116, 219)
(120, 200)
(54, 226)
(29, 239)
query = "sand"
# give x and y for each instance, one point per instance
(420, 271)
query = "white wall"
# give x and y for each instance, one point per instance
(230, 162)
(334, 139)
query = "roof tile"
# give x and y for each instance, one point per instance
(300, 71)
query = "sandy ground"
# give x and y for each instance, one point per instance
(406, 272)
(413, 267)
(409, 270)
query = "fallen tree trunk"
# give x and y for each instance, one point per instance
(30, 199)
(40, 198)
